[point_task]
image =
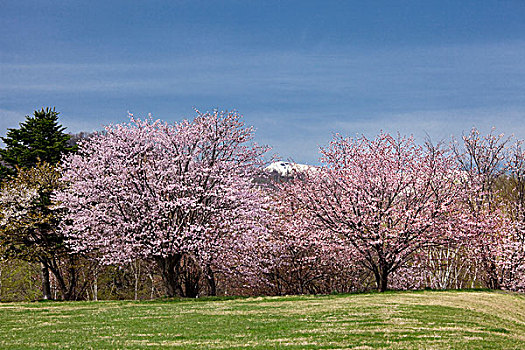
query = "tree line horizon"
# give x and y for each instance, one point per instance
(147, 209)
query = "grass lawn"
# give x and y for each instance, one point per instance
(393, 320)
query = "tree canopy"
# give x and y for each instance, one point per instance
(163, 192)
(40, 138)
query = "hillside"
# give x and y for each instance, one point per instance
(393, 320)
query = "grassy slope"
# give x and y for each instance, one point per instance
(422, 320)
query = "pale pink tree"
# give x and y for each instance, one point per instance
(241, 265)
(513, 200)
(484, 159)
(303, 257)
(387, 197)
(163, 192)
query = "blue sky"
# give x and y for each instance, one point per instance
(297, 70)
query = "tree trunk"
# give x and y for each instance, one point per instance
(136, 273)
(212, 284)
(152, 292)
(67, 291)
(61, 285)
(493, 278)
(384, 281)
(95, 284)
(46, 285)
(167, 266)
(191, 274)
(381, 275)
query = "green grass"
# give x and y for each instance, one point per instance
(394, 320)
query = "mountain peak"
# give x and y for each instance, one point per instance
(286, 169)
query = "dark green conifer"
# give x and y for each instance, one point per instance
(39, 139)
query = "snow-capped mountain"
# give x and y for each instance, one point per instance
(286, 169)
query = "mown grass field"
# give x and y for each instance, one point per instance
(393, 320)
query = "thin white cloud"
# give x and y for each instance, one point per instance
(296, 100)
(441, 124)
(302, 143)
(446, 69)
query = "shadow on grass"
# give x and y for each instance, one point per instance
(270, 298)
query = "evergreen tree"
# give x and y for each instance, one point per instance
(39, 139)
(28, 222)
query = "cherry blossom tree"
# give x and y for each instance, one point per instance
(164, 192)
(484, 159)
(386, 197)
(302, 257)
(513, 200)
